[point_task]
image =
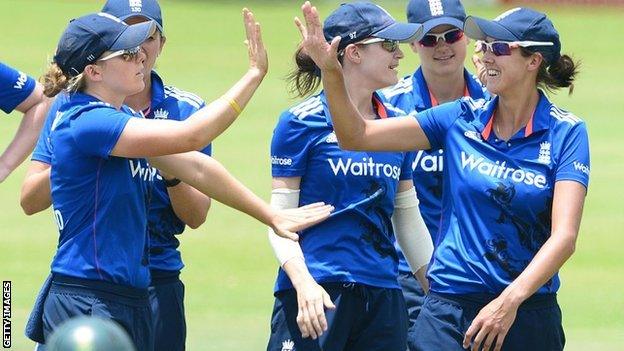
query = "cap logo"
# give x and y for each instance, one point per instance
(435, 6)
(135, 5)
(353, 35)
(507, 13)
(109, 16)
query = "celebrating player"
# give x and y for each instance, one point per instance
(100, 183)
(20, 92)
(440, 78)
(515, 178)
(349, 259)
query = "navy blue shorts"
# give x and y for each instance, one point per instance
(414, 297)
(166, 295)
(366, 318)
(129, 307)
(444, 319)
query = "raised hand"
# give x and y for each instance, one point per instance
(286, 222)
(258, 59)
(313, 41)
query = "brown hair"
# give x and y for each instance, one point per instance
(306, 77)
(54, 80)
(555, 75)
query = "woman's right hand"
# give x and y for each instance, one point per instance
(288, 221)
(258, 60)
(312, 301)
(313, 41)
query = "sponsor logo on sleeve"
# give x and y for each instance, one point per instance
(281, 161)
(21, 81)
(581, 167)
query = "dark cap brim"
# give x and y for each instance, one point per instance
(403, 32)
(480, 29)
(134, 36)
(438, 21)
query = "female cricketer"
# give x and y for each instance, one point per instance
(100, 182)
(173, 204)
(347, 264)
(440, 78)
(515, 178)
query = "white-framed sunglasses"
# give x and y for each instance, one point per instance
(127, 54)
(503, 48)
(386, 44)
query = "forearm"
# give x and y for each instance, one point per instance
(548, 260)
(36, 195)
(212, 120)
(421, 276)
(211, 178)
(24, 140)
(189, 204)
(297, 272)
(348, 123)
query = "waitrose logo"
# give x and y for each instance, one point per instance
(501, 171)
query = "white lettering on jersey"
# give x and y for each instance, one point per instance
(429, 163)
(21, 81)
(281, 161)
(501, 171)
(145, 173)
(581, 167)
(435, 6)
(471, 134)
(366, 168)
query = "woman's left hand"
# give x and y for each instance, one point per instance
(324, 54)
(258, 59)
(288, 221)
(491, 325)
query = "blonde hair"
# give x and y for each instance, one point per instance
(54, 81)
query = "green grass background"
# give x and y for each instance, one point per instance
(230, 267)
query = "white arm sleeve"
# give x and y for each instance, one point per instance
(284, 249)
(410, 230)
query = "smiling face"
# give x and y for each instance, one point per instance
(506, 73)
(443, 58)
(375, 63)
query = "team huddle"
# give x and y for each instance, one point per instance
(430, 212)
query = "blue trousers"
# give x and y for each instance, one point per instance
(444, 319)
(70, 297)
(414, 298)
(365, 319)
(166, 296)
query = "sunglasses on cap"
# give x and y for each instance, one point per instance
(503, 48)
(126, 55)
(450, 36)
(388, 45)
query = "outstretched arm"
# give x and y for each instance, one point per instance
(352, 130)
(145, 138)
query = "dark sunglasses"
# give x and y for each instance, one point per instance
(450, 36)
(388, 45)
(503, 48)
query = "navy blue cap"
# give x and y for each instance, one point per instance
(86, 38)
(125, 9)
(519, 24)
(432, 13)
(356, 21)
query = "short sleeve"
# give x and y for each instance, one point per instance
(290, 146)
(436, 121)
(15, 87)
(96, 131)
(406, 168)
(573, 162)
(43, 149)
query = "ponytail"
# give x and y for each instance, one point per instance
(306, 77)
(555, 75)
(54, 81)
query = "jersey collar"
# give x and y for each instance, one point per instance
(423, 99)
(377, 101)
(539, 120)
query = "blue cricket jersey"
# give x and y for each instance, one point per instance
(497, 200)
(15, 87)
(167, 103)
(99, 200)
(412, 95)
(356, 244)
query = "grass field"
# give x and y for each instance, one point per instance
(230, 267)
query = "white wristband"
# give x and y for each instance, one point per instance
(284, 249)
(410, 230)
